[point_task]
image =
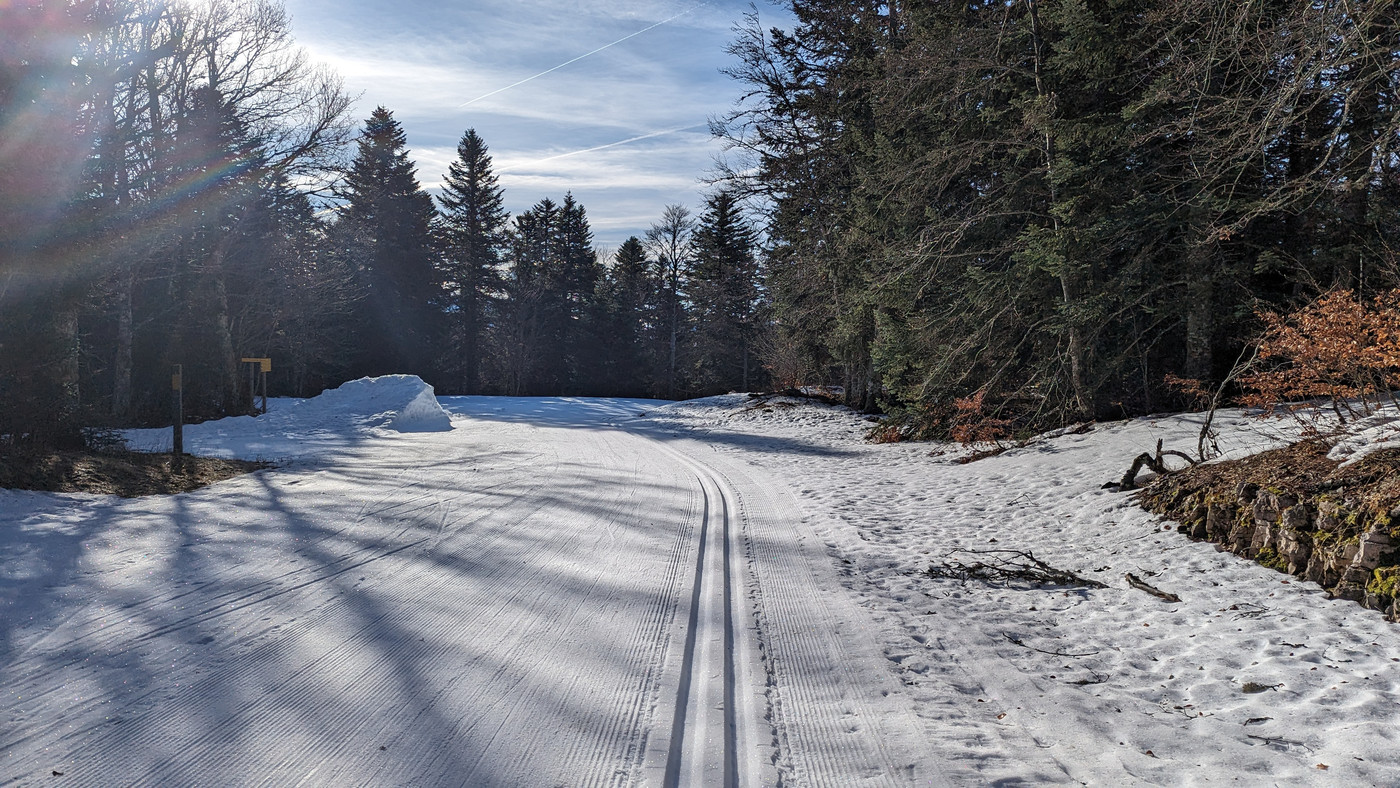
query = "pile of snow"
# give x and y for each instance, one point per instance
(403, 403)
(1381, 431)
(336, 418)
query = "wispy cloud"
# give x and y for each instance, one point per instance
(604, 98)
(574, 60)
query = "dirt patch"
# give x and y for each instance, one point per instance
(1301, 470)
(125, 473)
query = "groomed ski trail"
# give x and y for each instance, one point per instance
(546, 595)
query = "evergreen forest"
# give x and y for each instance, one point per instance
(1061, 210)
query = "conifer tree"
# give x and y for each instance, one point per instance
(547, 334)
(521, 333)
(574, 285)
(474, 239)
(385, 231)
(217, 177)
(725, 297)
(629, 306)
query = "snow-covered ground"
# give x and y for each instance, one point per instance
(561, 591)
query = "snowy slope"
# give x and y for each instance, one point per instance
(563, 591)
(1153, 692)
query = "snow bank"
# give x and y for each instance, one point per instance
(336, 418)
(403, 403)
(1365, 436)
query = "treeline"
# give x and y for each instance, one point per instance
(1050, 206)
(178, 185)
(476, 301)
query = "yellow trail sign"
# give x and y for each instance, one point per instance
(266, 363)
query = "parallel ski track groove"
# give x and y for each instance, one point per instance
(799, 650)
(647, 649)
(716, 512)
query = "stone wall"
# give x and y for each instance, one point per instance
(1341, 545)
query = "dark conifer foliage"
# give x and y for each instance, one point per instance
(1056, 204)
(725, 300)
(384, 231)
(474, 237)
(547, 337)
(631, 311)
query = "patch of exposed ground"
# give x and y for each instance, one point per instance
(125, 473)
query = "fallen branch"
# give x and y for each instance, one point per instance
(1280, 741)
(1136, 582)
(1007, 565)
(1154, 462)
(796, 393)
(1022, 644)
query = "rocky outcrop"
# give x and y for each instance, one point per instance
(1345, 544)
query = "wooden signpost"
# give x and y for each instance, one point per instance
(257, 370)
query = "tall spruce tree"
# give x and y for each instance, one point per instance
(629, 321)
(547, 335)
(574, 281)
(474, 239)
(725, 299)
(522, 334)
(384, 230)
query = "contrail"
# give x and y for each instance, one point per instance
(584, 55)
(601, 147)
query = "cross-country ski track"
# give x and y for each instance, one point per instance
(563, 592)
(521, 601)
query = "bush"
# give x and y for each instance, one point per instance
(1337, 348)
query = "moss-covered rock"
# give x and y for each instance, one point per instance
(1296, 511)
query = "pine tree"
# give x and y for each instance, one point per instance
(385, 231)
(522, 334)
(630, 321)
(574, 283)
(547, 337)
(218, 180)
(474, 239)
(725, 299)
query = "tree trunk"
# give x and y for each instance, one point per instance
(1071, 286)
(121, 358)
(1200, 306)
(66, 326)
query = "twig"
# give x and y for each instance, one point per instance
(1137, 582)
(1022, 644)
(1097, 679)
(1280, 740)
(1240, 367)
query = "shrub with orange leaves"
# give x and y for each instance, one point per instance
(1338, 348)
(971, 425)
(1191, 388)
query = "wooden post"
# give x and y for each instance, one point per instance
(257, 370)
(177, 444)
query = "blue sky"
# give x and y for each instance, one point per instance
(433, 64)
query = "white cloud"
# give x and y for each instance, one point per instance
(423, 59)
